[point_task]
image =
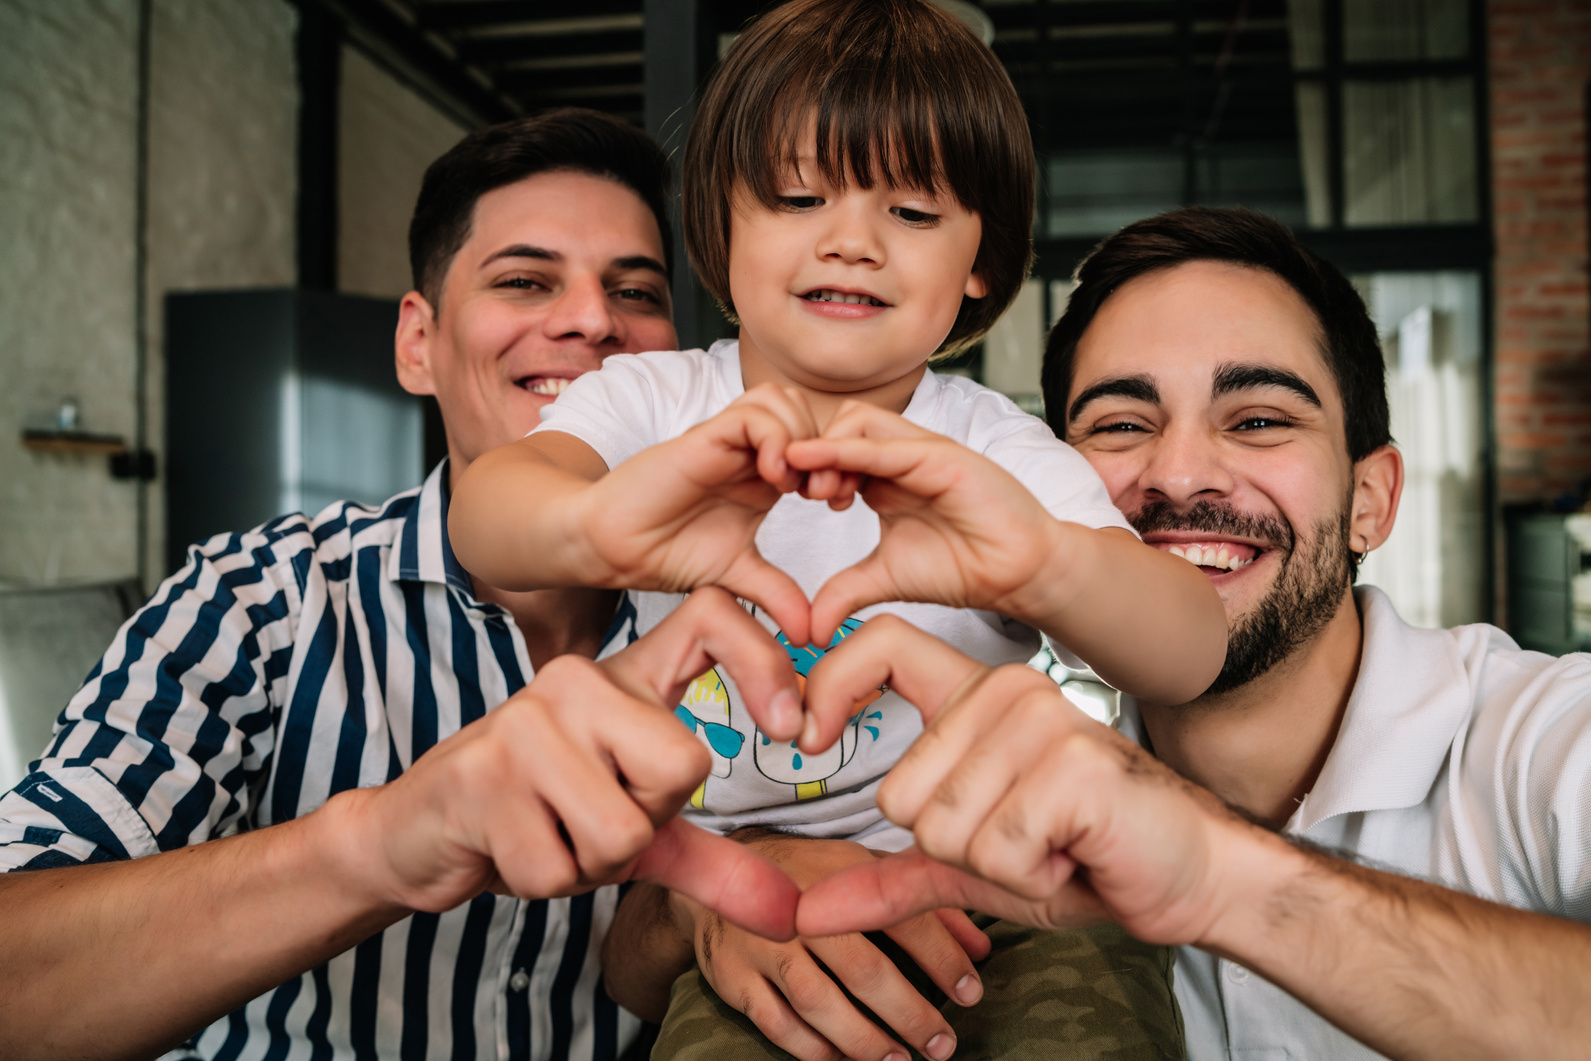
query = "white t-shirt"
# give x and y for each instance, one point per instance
(639, 400)
(1461, 760)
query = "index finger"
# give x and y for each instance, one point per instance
(887, 650)
(885, 892)
(732, 879)
(711, 627)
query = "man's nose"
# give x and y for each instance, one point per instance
(582, 310)
(1185, 465)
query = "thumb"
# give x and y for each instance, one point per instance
(865, 582)
(732, 879)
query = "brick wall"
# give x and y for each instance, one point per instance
(1540, 56)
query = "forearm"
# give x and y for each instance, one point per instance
(128, 959)
(1149, 623)
(512, 520)
(647, 949)
(1414, 970)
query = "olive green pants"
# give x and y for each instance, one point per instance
(1094, 993)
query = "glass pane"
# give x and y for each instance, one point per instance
(1387, 30)
(1314, 153)
(1434, 565)
(1409, 151)
(1306, 27)
(1093, 193)
(1260, 176)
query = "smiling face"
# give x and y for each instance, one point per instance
(559, 271)
(1200, 395)
(848, 290)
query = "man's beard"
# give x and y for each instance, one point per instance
(1306, 595)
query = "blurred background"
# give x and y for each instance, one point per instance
(204, 206)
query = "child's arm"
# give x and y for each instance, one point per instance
(546, 511)
(957, 529)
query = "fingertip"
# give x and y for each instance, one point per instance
(784, 715)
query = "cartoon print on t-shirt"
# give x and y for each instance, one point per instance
(784, 762)
(705, 710)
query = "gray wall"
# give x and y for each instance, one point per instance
(68, 81)
(222, 140)
(389, 135)
(222, 170)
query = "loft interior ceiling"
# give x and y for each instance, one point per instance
(1094, 73)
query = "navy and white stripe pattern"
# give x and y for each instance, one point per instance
(279, 667)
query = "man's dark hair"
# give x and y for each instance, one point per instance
(571, 138)
(898, 92)
(1348, 341)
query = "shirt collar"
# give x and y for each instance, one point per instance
(423, 552)
(1408, 701)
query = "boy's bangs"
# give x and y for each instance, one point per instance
(863, 131)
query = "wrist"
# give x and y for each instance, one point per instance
(342, 845)
(1047, 595)
(1258, 894)
(581, 563)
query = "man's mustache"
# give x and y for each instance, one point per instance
(1212, 517)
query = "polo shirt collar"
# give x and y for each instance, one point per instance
(1409, 700)
(423, 553)
(1408, 703)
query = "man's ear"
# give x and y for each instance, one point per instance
(1377, 486)
(412, 345)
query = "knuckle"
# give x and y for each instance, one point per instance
(939, 843)
(804, 991)
(620, 840)
(948, 796)
(771, 1020)
(992, 854)
(866, 970)
(550, 877)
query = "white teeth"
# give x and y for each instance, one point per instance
(825, 295)
(1219, 556)
(550, 385)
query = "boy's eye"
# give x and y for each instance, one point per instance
(914, 217)
(800, 202)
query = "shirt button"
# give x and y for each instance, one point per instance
(1237, 974)
(519, 981)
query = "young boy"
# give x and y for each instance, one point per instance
(859, 195)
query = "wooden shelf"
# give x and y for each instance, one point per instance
(73, 442)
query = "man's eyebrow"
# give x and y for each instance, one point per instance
(1230, 378)
(1139, 388)
(525, 250)
(641, 261)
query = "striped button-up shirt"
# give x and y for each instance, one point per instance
(279, 667)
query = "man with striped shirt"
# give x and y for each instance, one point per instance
(307, 686)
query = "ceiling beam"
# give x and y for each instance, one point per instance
(421, 58)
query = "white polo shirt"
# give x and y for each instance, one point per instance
(1461, 760)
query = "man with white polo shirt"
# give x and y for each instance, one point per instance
(1377, 839)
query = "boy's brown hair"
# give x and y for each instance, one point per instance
(900, 92)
